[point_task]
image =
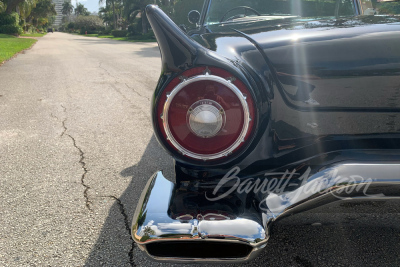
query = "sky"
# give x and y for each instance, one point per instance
(91, 5)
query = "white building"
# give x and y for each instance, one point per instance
(59, 15)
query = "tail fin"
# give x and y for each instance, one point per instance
(178, 51)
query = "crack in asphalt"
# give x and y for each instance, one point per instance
(124, 96)
(118, 201)
(114, 87)
(129, 101)
(133, 89)
(65, 128)
(101, 67)
(82, 162)
(128, 228)
(88, 203)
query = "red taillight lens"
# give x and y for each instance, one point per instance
(206, 114)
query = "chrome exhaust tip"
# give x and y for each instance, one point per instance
(200, 251)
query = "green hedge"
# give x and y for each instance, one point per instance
(389, 8)
(119, 33)
(84, 31)
(106, 31)
(7, 19)
(133, 29)
(10, 29)
(148, 36)
(9, 24)
(15, 15)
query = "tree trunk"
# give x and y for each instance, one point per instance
(145, 28)
(12, 4)
(115, 19)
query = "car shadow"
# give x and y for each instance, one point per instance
(294, 243)
(149, 51)
(113, 245)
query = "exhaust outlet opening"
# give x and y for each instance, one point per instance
(198, 250)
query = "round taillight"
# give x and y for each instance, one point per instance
(206, 114)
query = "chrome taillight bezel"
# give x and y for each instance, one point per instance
(206, 77)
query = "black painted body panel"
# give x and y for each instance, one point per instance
(326, 143)
(320, 86)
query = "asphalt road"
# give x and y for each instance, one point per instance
(77, 147)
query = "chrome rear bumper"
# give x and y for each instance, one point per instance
(188, 223)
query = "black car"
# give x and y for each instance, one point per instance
(49, 29)
(271, 109)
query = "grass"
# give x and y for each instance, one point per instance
(127, 39)
(11, 45)
(33, 34)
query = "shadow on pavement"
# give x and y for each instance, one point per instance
(149, 51)
(348, 243)
(114, 244)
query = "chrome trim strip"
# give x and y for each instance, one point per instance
(224, 82)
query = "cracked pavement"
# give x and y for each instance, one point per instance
(74, 115)
(77, 148)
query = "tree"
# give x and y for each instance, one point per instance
(67, 9)
(12, 5)
(112, 3)
(392, 8)
(88, 23)
(133, 7)
(181, 8)
(2, 6)
(106, 14)
(25, 8)
(81, 10)
(147, 231)
(43, 10)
